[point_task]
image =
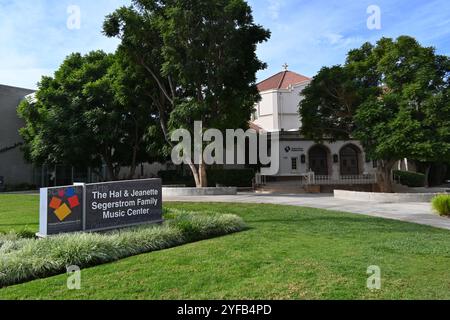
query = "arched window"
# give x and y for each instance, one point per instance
(350, 160)
(318, 160)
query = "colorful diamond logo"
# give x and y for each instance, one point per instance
(63, 212)
(62, 209)
(74, 202)
(55, 203)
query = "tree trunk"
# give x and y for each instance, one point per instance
(427, 175)
(133, 162)
(195, 174)
(203, 176)
(385, 176)
(111, 171)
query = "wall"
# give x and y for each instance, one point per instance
(296, 147)
(265, 117)
(278, 109)
(12, 164)
(384, 197)
(288, 104)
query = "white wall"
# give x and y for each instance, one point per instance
(278, 109)
(266, 111)
(288, 104)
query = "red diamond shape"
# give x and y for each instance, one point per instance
(55, 203)
(74, 202)
(61, 193)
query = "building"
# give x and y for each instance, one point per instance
(342, 162)
(14, 169)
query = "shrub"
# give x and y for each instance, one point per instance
(20, 187)
(410, 179)
(229, 178)
(441, 204)
(175, 177)
(27, 259)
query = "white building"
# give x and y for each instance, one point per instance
(342, 162)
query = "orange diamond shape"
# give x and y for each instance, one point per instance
(55, 203)
(63, 212)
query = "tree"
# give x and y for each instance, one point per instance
(200, 55)
(87, 115)
(393, 97)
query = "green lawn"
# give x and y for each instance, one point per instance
(19, 213)
(289, 253)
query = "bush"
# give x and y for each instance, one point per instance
(441, 204)
(24, 259)
(231, 178)
(20, 187)
(228, 178)
(174, 177)
(410, 179)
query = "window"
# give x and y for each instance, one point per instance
(294, 164)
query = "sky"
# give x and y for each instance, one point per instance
(36, 35)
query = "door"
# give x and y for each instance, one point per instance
(349, 161)
(318, 160)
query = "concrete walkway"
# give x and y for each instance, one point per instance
(420, 213)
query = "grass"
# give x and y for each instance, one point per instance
(19, 213)
(25, 259)
(288, 253)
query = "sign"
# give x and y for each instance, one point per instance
(289, 149)
(61, 210)
(101, 206)
(128, 203)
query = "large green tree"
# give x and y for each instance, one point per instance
(90, 113)
(200, 55)
(392, 96)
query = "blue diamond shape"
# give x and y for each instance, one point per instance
(70, 192)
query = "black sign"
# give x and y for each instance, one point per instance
(121, 204)
(64, 210)
(101, 206)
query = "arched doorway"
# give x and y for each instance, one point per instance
(318, 160)
(349, 160)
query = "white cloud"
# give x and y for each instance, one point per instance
(274, 8)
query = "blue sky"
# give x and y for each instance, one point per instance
(306, 34)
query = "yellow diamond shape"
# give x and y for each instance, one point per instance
(63, 212)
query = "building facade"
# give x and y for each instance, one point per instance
(13, 168)
(333, 163)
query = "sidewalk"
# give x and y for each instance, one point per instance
(420, 213)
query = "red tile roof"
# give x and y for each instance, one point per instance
(281, 80)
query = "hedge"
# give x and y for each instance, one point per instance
(410, 179)
(24, 259)
(228, 178)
